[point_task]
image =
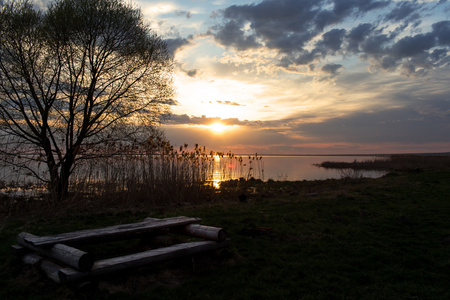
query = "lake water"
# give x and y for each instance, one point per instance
(302, 168)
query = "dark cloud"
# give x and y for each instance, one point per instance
(203, 120)
(191, 120)
(402, 125)
(332, 69)
(357, 35)
(343, 8)
(292, 26)
(183, 13)
(438, 54)
(174, 44)
(411, 46)
(331, 41)
(405, 10)
(286, 25)
(233, 35)
(375, 44)
(441, 31)
(305, 58)
(191, 73)
(414, 54)
(279, 25)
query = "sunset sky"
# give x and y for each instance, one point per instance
(308, 76)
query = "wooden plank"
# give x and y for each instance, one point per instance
(70, 256)
(19, 250)
(107, 266)
(109, 233)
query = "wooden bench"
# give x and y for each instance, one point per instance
(58, 256)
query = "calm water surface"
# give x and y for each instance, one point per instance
(302, 167)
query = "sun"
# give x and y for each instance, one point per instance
(217, 127)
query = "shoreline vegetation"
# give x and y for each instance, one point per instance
(395, 162)
(349, 238)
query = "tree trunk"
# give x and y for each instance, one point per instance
(64, 179)
(59, 180)
(54, 180)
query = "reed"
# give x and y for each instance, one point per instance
(151, 172)
(157, 173)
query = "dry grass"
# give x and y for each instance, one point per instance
(143, 176)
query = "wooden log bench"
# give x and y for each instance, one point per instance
(59, 258)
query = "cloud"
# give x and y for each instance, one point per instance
(184, 119)
(286, 25)
(412, 46)
(158, 8)
(229, 103)
(331, 41)
(416, 53)
(441, 31)
(306, 32)
(409, 125)
(405, 10)
(183, 13)
(191, 120)
(233, 35)
(402, 125)
(191, 73)
(175, 44)
(332, 69)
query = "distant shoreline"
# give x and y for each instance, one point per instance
(378, 154)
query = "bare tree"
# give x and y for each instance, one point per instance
(79, 75)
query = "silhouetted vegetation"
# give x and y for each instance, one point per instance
(147, 174)
(156, 173)
(396, 162)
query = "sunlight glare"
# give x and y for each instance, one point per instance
(218, 127)
(216, 183)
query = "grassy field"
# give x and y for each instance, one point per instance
(386, 238)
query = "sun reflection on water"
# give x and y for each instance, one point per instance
(216, 183)
(230, 167)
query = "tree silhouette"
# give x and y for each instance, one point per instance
(77, 76)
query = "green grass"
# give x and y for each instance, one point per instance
(386, 238)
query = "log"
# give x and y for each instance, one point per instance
(197, 230)
(109, 233)
(49, 268)
(202, 231)
(31, 259)
(116, 264)
(70, 256)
